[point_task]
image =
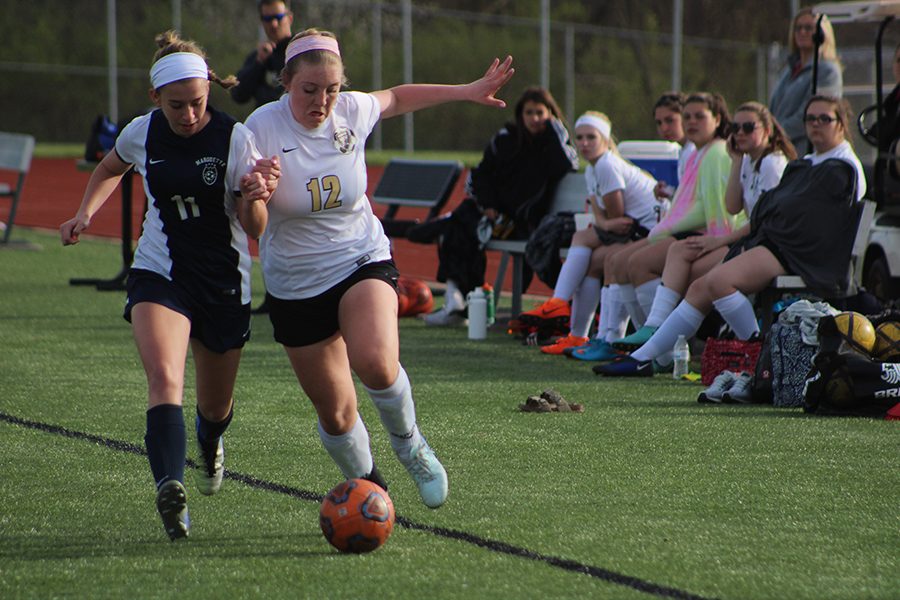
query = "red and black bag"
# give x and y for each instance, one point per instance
(728, 355)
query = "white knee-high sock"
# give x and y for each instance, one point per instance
(573, 270)
(350, 451)
(584, 305)
(664, 302)
(645, 294)
(604, 313)
(629, 299)
(685, 320)
(616, 314)
(738, 313)
(397, 410)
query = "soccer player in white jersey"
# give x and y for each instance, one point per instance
(330, 277)
(189, 282)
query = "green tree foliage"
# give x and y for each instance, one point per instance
(53, 62)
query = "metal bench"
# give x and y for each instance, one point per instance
(569, 196)
(15, 155)
(416, 183)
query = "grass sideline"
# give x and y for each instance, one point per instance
(373, 157)
(645, 494)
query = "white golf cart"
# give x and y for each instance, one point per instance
(881, 263)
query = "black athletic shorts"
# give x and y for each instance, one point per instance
(683, 235)
(746, 243)
(311, 320)
(219, 327)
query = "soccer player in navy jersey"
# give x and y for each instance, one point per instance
(189, 284)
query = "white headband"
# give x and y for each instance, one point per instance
(311, 42)
(597, 123)
(177, 66)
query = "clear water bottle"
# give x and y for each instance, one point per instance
(477, 314)
(681, 354)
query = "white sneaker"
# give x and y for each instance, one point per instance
(741, 392)
(720, 385)
(428, 473)
(445, 317)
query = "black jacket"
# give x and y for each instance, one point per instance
(517, 177)
(260, 81)
(810, 218)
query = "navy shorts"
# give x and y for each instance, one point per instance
(311, 320)
(219, 327)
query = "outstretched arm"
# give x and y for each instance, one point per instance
(103, 181)
(407, 98)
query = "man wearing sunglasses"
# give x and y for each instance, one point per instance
(262, 68)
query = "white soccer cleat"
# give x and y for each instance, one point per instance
(428, 473)
(211, 469)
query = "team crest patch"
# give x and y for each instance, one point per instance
(344, 140)
(211, 166)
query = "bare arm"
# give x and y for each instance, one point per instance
(100, 186)
(256, 190)
(614, 219)
(734, 192)
(407, 98)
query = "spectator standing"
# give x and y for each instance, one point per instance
(795, 85)
(258, 78)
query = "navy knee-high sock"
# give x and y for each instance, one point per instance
(208, 432)
(165, 440)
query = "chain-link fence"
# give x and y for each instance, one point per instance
(53, 68)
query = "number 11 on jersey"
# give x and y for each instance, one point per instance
(186, 205)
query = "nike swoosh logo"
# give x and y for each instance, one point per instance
(286, 150)
(157, 161)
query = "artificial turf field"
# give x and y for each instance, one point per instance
(645, 494)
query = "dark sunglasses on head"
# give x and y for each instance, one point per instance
(747, 127)
(270, 18)
(823, 119)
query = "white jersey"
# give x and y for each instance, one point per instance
(683, 155)
(191, 233)
(755, 182)
(321, 226)
(844, 151)
(613, 173)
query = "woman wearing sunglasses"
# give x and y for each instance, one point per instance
(805, 226)
(759, 151)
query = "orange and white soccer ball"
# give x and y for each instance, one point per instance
(357, 516)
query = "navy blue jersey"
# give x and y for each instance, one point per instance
(191, 234)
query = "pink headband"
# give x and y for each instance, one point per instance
(311, 42)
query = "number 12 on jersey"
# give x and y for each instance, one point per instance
(329, 185)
